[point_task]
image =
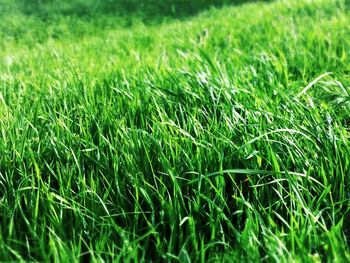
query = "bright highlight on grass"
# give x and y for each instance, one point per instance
(204, 135)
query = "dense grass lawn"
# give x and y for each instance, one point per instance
(218, 135)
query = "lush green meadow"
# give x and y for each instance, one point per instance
(177, 131)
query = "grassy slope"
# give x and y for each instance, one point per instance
(165, 142)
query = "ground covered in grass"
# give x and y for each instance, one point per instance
(223, 136)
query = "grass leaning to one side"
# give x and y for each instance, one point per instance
(219, 137)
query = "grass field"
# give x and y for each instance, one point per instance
(166, 131)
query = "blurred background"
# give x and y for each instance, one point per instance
(147, 9)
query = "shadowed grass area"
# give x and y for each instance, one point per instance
(219, 137)
(148, 9)
(23, 19)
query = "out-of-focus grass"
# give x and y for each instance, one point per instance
(219, 137)
(148, 9)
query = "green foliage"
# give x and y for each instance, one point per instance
(146, 8)
(218, 137)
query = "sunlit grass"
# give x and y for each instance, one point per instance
(219, 137)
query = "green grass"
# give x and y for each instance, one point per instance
(223, 136)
